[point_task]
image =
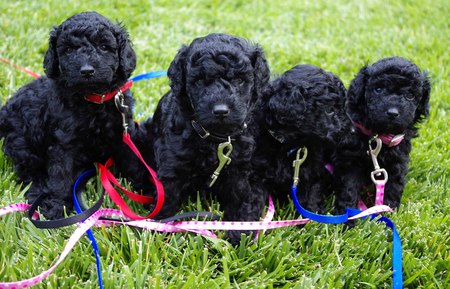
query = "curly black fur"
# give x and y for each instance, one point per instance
(214, 81)
(390, 96)
(51, 133)
(304, 107)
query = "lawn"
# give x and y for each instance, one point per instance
(340, 36)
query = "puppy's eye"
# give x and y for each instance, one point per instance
(240, 82)
(329, 111)
(410, 96)
(378, 90)
(104, 47)
(69, 49)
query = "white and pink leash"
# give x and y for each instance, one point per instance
(379, 175)
(199, 227)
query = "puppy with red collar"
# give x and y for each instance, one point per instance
(58, 125)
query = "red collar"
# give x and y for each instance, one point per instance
(101, 98)
(390, 140)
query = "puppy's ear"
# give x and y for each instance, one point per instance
(287, 105)
(127, 56)
(356, 95)
(341, 88)
(177, 72)
(264, 104)
(261, 72)
(423, 109)
(51, 60)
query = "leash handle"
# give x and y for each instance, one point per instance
(64, 222)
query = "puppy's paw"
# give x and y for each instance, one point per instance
(53, 209)
(234, 237)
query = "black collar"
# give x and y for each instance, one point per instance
(278, 138)
(204, 134)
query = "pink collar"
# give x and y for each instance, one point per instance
(390, 140)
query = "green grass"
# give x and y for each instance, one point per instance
(338, 35)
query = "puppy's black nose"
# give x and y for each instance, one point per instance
(221, 109)
(392, 112)
(87, 70)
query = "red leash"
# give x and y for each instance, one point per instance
(107, 178)
(27, 71)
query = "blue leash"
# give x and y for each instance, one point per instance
(327, 219)
(83, 178)
(397, 267)
(149, 75)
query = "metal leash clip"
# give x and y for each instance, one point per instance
(223, 154)
(377, 172)
(300, 158)
(119, 100)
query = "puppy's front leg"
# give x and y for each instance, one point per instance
(348, 187)
(175, 191)
(60, 171)
(395, 184)
(241, 202)
(311, 198)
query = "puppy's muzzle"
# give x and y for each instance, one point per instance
(392, 112)
(87, 71)
(221, 110)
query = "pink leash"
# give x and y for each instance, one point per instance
(199, 227)
(379, 175)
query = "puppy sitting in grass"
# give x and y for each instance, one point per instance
(198, 137)
(62, 123)
(303, 109)
(386, 100)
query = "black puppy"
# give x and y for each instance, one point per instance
(303, 108)
(199, 132)
(386, 99)
(57, 126)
